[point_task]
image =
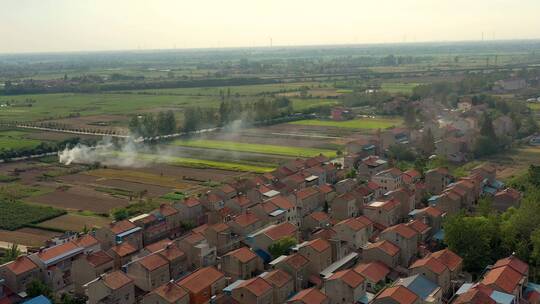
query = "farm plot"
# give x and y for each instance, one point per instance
(15, 214)
(135, 176)
(254, 148)
(27, 236)
(398, 87)
(191, 174)
(15, 139)
(75, 222)
(361, 123)
(205, 163)
(80, 198)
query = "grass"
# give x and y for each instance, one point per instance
(534, 106)
(15, 214)
(253, 148)
(398, 87)
(362, 123)
(300, 104)
(174, 196)
(14, 139)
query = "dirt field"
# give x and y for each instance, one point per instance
(96, 122)
(511, 164)
(80, 198)
(75, 222)
(141, 177)
(27, 236)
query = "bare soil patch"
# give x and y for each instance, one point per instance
(75, 222)
(32, 237)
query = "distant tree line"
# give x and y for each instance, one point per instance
(42, 148)
(150, 125)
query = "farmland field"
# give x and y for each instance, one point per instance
(254, 148)
(361, 123)
(15, 139)
(138, 177)
(27, 236)
(15, 215)
(75, 222)
(398, 87)
(534, 106)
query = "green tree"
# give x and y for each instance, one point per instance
(428, 143)
(410, 116)
(37, 288)
(281, 247)
(11, 254)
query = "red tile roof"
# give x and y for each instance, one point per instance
(191, 202)
(201, 279)
(200, 229)
(170, 292)
(153, 262)
(399, 294)
(373, 185)
(57, 251)
(307, 192)
(366, 220)
(116, 280)
(319, 216)
(257, 286)
(281, 230)
(430, 263)
(326, 188)
(246, 219)
(167, 210)
(159, 245)
(374, 271)
(505, 278)
(296, 261)
(171, 252)
(194, 238)
(309, 296)
(86, 241)
(418, 226)
(510, 192)
(219, 227)
(278, 278)
(282, 202)
(319, 245)
(21, 265)
(474, 296)
(514, 262)
(353, 224)
(386, 246)
(124, 249)
(448, 258)
(433, 211)
(226, 188)
(98, 258)
(243, 254)
(122, 226)
(349, 277)
(403, 230)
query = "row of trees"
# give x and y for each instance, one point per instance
(42, 148)
(483, 239)
(150, 125)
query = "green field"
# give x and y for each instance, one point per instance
(253, 148)
(13, 139)
(534, 106)
(14, 215)
(300, 104)
(398, 87)
(362, 123)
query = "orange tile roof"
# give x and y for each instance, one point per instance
(433, 211)
(246, 219)
(514, 262)
(278, 277)
(386, 246)
(167, 210)
(474, 296)
(21, 265)
(281, 230)
(374, 271)
(399, 294)
(413, 173)
(98, 258)
(152, 262)
(191, 202)
(353, 224)
(170, 292)
(86, 241)
(194, 238)
(319, 245)
(403, 230)
(296, 261)
(159, 245)
(242, 201)
(200, 229)
(124, 249)
(220, 227)
(430, 263)
(448, 258)
(307, 192)
(505, 277)
(309, 296)
(201, 279)
(121, 226)
(116, 280)
(365, 220)
(243, 254)
(256, 286)
(326, 188)
(373, 185)
(418, 226)
(171, 252)
(319, 216)
(226, 188)
(282, 202)
(56, 251)
(349, 277)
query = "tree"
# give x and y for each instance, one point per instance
(134, 125)
(37, 288)
(11, 254)
(281, 247)
(410, 116)
(486, 129)
(428, 143)
(485, 206)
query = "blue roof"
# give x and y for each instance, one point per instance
(498, 184)
(439, 235)
(415, 212)
(419, 284)
(464, 288)
(232, 286)
(38, 300)
(501, 297)
(533, 286)
(433, 198)
(490, 190)
(264, 255)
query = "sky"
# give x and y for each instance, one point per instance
(92, 25)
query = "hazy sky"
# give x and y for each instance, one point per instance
(73, 25)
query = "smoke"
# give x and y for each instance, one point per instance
(123, 154)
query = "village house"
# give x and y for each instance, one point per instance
(263, 238)
(222, 237)
(296, 265)
(170, 251)
(505, 199)
(504, 126)
(307, 200)
(346, 286)
(386, 213)
(369, 166)
(396, 295)
(433, 269)
(268, 213)
(375, 273)
(487, 171)
(431, 216)
(319, 254)
(153, 228)
(508, 275)
(240, 204)
(245, 224)
(383, 251)
(198, 251)
(190, 211)
(241, 264)
(389, 179)
(406, 199)
(171, 216)
(341, 113)
(309, 296)
(423, 231)
(449, 201)
(19, 273)
(253, 291)
(120, 232)
(149, 272)
(203, 284)
(345, 206)
(427, 291)
(315, 220)
(405, 238)
(352, 231)
(345, 185)
(451, 260)
(88, 267)
(286, 205)
(282, 283)
(111, 288)
(168, 293)
(122, 254)
(437, 179)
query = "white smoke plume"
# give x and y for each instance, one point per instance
(123, 154)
